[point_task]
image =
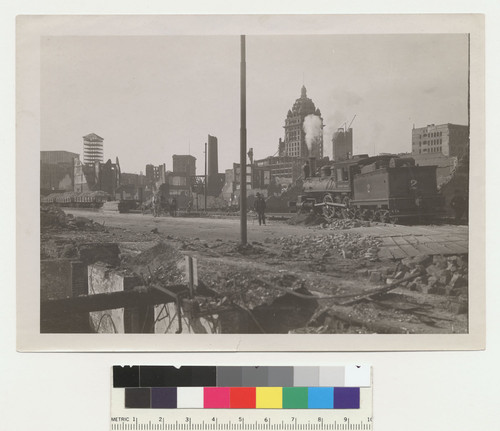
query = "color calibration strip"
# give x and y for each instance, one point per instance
(242, 398)
(166, 387)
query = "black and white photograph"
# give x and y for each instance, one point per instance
(252, 187)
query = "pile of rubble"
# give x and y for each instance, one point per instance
(442, 275)
(439, 275)
(307, 219)
(54, 217)
(340, 224)
(348, 245)
(161, 264)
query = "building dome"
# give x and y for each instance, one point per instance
(303, 105)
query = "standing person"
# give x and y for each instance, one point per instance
(259, 206)
(158, 204)
(154, 205)
(173, 207)
(458, 205)
(306, 170)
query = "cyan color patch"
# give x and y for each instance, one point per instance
(320, 398)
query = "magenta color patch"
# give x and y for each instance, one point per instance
(216, 398)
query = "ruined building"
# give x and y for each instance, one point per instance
(156, 174)
(215, 181)
(97, 177)
(303, 129)
(56, 171)
(184, 164)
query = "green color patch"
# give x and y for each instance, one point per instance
(295, 398)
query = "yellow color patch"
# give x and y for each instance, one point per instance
(269, 398)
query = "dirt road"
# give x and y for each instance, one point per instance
(203, 228)
(211, 229)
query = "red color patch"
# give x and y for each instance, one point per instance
(242, 398)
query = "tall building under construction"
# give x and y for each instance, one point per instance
(342, 144)
(92, 149)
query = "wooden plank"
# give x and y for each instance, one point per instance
(384, 253)
(397, 252)
(424, 250)
(136, 297)
(426, 239)
(399, 240)
(438, 248)
(412, 239)
(405, 246)
(410, 250)
(387, 240)
(454, 247)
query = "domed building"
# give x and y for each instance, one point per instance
(295, 143)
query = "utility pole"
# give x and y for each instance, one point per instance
(206, 183)
(468, 83)
(243, 145)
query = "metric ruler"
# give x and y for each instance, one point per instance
(311, 398)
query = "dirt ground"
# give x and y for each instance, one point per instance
(290, 278)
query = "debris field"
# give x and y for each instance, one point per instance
(326, 281)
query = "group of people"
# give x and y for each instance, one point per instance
(157, 205)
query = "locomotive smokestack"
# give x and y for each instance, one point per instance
(312, 166)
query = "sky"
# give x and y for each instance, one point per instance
(151, 97)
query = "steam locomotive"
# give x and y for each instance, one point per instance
(383, 188)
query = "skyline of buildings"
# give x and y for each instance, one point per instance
(302, 138)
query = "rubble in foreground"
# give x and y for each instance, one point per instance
(326, 282)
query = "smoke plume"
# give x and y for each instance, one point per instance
(313, 130)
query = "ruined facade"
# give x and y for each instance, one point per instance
(97, 177)
(155, 174)
(184, 164)
(57, 171)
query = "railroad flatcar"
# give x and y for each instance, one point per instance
(382, 188)
(77, 199)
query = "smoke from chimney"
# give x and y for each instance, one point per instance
(313, 129)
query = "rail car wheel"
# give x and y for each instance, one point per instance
(384, 216)
(328, 211)
(393, 218)
(348, 213)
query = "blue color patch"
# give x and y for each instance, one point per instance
(346, 398)
(320, 398)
